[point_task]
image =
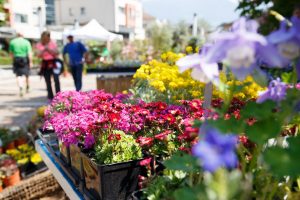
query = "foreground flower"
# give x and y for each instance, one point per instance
(276, 92)
(201, 70)
(216, 150)
(242, 48)
(287, 41)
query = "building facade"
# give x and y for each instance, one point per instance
(26, 16)
(118, 16)
(50, 12)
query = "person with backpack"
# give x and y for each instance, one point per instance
(48, 52)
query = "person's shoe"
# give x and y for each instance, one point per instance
(21, 92)
(27, 89)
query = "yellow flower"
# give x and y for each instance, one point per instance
(22, 161)
(189, 49)
(36, 158)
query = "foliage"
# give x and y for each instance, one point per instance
(119, 147)
(161, 37)
(255, 9)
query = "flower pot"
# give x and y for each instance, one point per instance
(1, 188)
(114, 181)
(64, 153)
(12, 179)
(76, 164)
(137, 195)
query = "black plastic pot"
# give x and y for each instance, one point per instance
(110, 182)
(137, 195)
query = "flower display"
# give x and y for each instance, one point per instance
(165, 78)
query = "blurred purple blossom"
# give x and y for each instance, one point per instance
(216, 149)
(201, 70)
(276, 91)
(242, 48)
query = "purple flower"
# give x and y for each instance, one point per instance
(216, 150)
(202, 70)
(287, 39)
(276, 91)
(241, 48)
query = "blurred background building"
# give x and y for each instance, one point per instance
(123, 17)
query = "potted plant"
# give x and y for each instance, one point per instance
(111, 171)
(10, 171)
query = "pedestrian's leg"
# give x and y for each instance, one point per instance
(73, 71)
(79, 77)
(56, 82)
(20, 83)
(47, 76)
(27, 83)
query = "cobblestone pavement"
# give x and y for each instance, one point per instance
(16, 110)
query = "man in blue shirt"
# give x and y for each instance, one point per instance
(77, 55)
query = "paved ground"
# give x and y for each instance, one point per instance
(17, 111)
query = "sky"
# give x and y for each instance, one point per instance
(213, 11)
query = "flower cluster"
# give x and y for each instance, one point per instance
(164, 77)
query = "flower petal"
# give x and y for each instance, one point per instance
(188, 62)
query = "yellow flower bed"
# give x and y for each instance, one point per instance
(164, 77)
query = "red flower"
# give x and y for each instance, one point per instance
(163, 135)
(145, 141)
(251, 121)
(185, 149)
(114, 117)
(195, 104)
(114, 137)
(170, 118)
(243, 139)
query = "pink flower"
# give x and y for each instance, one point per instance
(163, 135)
(145, 141)
(146, 161)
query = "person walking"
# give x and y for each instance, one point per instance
(21, 52)
(77, 55)
(47, 51)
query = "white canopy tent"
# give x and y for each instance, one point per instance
(93, 31)
(35, 33)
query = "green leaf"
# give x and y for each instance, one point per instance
(184, 162)
(284, 161)
(231, 125)
(190, 193)
(263, 130)
(258, 111)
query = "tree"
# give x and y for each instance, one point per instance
(254, 9)
(161, 36)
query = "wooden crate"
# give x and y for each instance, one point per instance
(114, 84)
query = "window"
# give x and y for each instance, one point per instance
(70, 12)
(82, 11)
(21, 18)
